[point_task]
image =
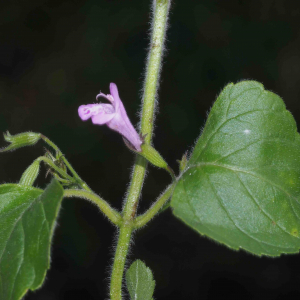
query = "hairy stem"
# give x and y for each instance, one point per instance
(119, 262)
(143, 219)
(111, 213)
(159, 26)
(154, 66)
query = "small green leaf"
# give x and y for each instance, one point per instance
(139, 281)
(183, 162)
(241, 186)
(27, 220)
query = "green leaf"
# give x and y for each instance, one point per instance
(139, 281)
(241, 185)
(27, 220)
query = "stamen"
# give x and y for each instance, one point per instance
(108, 97)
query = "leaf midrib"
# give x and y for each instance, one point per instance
(235, 169)
(15, 224)
(225, 210)
(13, 229)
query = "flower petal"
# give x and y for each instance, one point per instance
(104, 114)
(114, 92)
(102, 118)
(99, 113)
(121, 124)
(85, 111)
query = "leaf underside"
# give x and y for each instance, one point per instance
(27, 220)
(241, 186)
(139, 281)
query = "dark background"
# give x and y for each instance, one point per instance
(57, 55)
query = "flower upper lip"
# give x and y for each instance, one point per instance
(112, 114)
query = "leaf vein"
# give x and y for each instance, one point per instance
(194, 211)
(224, 123)
(264, 212)
(239, 95)
(3, 214)
(255, 175)
(234, 169)
(17, 220)
(23, 250)
(229, 216)
(245, 147)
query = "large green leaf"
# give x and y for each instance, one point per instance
(27, 220)
(241, 185)
(139, 281)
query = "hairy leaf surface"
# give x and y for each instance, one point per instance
(27, 219)
(241, 185)
(139, 281)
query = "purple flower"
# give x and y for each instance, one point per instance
(113, 115)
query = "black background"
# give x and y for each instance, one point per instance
(57, 55)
